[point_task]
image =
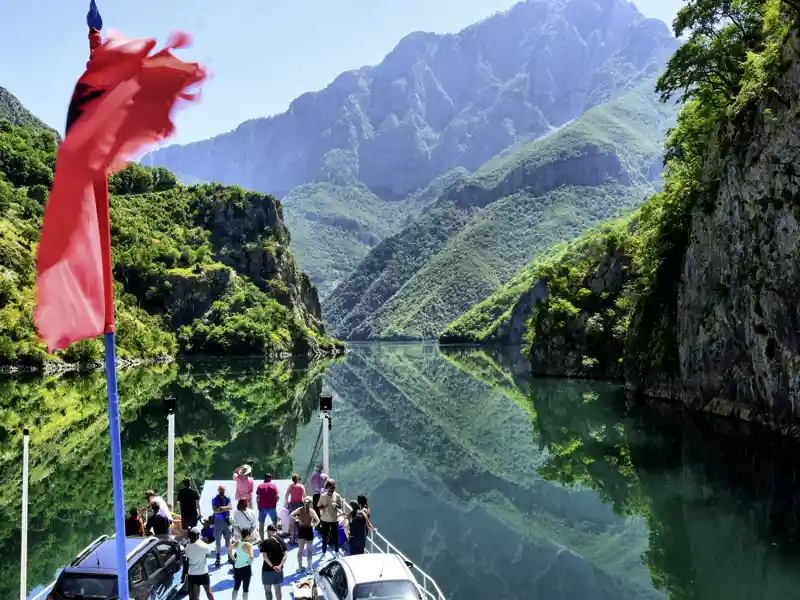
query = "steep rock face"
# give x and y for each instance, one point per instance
(732, 320)
(440, 101)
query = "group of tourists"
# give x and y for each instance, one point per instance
(301, 515)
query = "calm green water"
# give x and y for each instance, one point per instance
(495, 483)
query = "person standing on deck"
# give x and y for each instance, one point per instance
(241, 553)
(294, 500)
(273, 550)
(318, 479)
(359, 526)
(221, 504)
(244, 484)
(196, 553)
(330, 507)
(267, 496)
(189, 503)
(306, 518)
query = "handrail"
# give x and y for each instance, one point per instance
(432, 594)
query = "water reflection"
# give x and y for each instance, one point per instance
(226, 414)
(556, 488)
(497, 484)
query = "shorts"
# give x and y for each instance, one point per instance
(199, 579)
(272, 577)
(272, 513)
(294, 506)
(305, 532)
(189, 521)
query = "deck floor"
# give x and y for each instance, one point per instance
(222, 576)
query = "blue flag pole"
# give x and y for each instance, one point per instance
(116, 465)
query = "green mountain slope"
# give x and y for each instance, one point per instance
(12, 110)
(334, 225)
(488, 225)
(200, 270)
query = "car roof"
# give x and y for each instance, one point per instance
(104, 556)
(364, 568)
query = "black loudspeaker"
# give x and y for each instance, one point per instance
(169, 406)
(326, 403)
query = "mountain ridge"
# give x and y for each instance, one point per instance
(436, 103)
(486, 226)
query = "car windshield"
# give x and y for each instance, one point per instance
(387, 590)
(87, 586)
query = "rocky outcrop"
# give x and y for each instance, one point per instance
(718, 327)
(732, 320)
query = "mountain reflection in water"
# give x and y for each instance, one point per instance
(498, 485)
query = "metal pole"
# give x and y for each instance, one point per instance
(116, 466)
(326, 420)
(23, 572)
(170, 457)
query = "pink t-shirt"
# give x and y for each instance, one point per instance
(244, 486)
(296, 493)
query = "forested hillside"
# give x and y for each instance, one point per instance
(198, 270)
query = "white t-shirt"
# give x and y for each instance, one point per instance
(246, 519)
(197, 554)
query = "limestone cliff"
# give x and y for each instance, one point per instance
(724, 335)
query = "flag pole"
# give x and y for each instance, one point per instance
(23, 572)
(95, 23)
(116, 465)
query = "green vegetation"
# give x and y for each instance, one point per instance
(335, 224)
(193, 265)
(13, 110)
(725, 69)
(488, 225)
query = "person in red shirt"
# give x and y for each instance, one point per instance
(133, 524)
(267, 496)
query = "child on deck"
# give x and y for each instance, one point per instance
(208, 531)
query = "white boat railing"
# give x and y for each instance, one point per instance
(383, 546)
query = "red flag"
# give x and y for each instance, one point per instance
(121, 104)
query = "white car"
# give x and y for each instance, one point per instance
(376, 576)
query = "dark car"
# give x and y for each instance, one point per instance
(154, 571)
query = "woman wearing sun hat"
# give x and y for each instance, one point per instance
(244, 484)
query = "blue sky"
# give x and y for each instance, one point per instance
(262, 55)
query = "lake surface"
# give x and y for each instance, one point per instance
(495, 483)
